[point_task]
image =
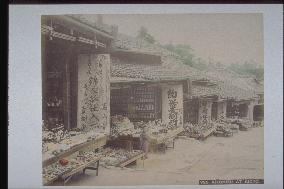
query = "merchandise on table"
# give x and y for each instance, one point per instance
(199, 130)
(222, 129)
(156, 131)
(121, 126)
(244, 124)
(66, 165)
(52, 149)
(116, 156)
(258, 124)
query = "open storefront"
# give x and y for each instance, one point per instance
(156, 106)
(75, 101)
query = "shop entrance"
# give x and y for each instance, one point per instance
(214, 111)
(258, 113)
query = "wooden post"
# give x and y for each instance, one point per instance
(43, 75)
(68, 93)
(73, 92)
(66, 86)
(189, 87)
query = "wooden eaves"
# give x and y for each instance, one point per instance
(73, 24)
(127, 84)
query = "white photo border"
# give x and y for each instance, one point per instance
(24, 88)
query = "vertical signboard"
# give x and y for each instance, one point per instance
(205, 107)
(172, 105)
(94, 92)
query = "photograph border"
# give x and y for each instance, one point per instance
(25, 83)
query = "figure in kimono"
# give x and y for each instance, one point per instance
(144, 142)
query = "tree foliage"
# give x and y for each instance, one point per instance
(184, 51)
(186, 54)
(248, 68)
(144, 35)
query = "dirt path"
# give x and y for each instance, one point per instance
(240, 156)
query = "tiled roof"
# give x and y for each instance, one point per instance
(242, 86)
(131, 43)
(152, 72)
(198, 90)
(223, 90)
(131, 71)
(228, 90)
(228, 84)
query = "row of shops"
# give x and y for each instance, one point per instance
(99, 98)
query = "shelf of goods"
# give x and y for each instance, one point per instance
(76, 163)
(258, 124)
(121, 157)
(53, 98)
(244, 124)
(69, 146)
(158, 139)
(200, 131)
(138, 104)
(80, 152)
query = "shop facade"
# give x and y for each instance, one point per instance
(75, 74)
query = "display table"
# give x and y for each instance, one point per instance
(92, 165)
(65, 173)
(208, 132)
(121, 157)
(131, 142)
(90, 144)
(160, 142)
(131, 160)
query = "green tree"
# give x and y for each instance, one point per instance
(247, 68)
(144, 35)
(184, 51)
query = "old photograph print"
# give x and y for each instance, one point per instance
(152, 99)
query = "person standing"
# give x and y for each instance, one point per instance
(144, 142)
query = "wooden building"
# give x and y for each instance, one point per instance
(248, 107)
(148, 101)
(75, 72)
(142, 91)
(219, 109)
(201, 106)
(258, 109)
(210, 101)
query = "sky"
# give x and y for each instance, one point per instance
(228, 38)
